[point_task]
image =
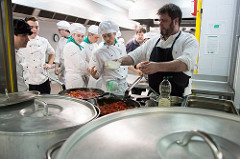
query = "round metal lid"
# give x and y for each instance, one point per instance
(16, 97)
(46, 113)
(196, 148)
(136, 133)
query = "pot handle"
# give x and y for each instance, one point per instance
(207, 138)
(38, 102)
(54, 148)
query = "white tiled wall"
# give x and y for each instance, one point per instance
(217, 11)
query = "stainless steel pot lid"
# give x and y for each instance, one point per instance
(135, 134)
(16, 97)
(196, 145)
(46, 113)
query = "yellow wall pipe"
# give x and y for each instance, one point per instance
(9, 47)
(198, 26)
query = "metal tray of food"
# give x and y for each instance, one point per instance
(210, 103)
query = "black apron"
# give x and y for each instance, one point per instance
(179, 80)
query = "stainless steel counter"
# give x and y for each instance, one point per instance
(201, 84)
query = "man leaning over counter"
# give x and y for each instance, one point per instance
(173, 53)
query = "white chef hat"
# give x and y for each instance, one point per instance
(63, 25)
(118, 34)
(107, 27)
(93, 29)
(77, 28)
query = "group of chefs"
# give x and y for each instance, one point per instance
(80, 62)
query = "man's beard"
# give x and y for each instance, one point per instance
(168, 31)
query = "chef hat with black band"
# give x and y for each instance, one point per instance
(77, 28)
(21, 27)
(107, 27)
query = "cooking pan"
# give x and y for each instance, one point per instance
(96, 90)
(111, 98)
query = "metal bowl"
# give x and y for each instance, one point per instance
(175, 101)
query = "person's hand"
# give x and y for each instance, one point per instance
(56, 71)
(139, 72)
(47, 66)
(136, 71)
(141, 64)
(148, 67)
(94, 72)
(118, 60)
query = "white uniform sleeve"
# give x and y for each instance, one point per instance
(58, 52)
(99, 63)
(142, 52)
(83, 63)
(50, 49)
(189, 52)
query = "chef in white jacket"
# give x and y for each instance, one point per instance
(35, 54)
(59, 61)
(90, 45)
(115, 79)
(76, 65)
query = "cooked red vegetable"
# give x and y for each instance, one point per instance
(82, 94)
(114, 107)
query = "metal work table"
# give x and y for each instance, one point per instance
(201, 84)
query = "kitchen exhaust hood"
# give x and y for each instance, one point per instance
(145, 12)
(86, 12)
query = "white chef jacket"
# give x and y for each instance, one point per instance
(185, 49)
(75, 64)
(112, 52)
(35, 55)
(59, 57)
(22, 73)
(89, 49)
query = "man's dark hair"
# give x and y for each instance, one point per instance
(140, 30)
(32, 18)
(172, 10)
(21, 27)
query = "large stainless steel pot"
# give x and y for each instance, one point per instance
(155, 133)
(29, 128)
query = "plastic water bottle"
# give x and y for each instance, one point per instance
(165, 89)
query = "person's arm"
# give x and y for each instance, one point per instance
(50, 61)
(183, 63)
(51, 54)
(94, 73)
(125, 60)
(172, 66)
(56, 68)
(136, 71)
(57, 58)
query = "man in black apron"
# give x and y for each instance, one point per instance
(162, 58)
